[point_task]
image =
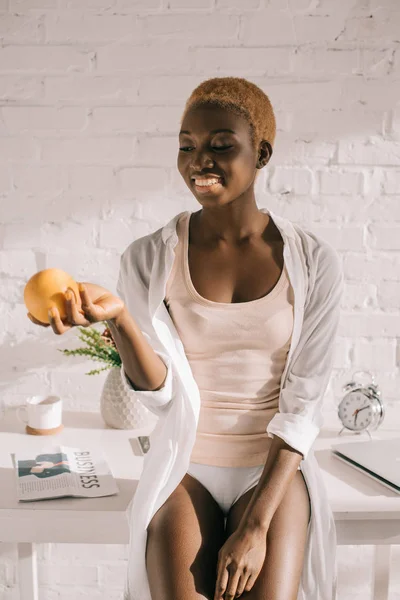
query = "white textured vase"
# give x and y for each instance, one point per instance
(118, 409)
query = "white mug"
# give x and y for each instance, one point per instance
(41, 412)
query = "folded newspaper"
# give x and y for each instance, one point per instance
(63, 471)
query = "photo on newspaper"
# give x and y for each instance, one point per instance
(63, 471)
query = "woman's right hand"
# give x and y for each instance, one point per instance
(98, 304)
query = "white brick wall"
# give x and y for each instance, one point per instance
(91, 92)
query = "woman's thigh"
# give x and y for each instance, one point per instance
(279, 579)
(183, 541)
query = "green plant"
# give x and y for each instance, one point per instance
(100, 347)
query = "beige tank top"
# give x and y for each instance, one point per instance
(237, 353)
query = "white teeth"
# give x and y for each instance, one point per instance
(205, 182)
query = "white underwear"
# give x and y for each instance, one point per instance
(226, 484)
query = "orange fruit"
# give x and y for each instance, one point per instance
(46, 289)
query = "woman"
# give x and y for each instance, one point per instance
(225, 323)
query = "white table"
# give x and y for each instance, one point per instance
(365, 511)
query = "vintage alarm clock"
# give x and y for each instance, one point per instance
(361, 408)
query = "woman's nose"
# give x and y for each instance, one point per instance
(201, 160)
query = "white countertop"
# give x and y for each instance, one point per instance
(353, 495)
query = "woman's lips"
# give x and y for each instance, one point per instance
(208, 189)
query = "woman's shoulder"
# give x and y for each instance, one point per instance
(142, 250)
(316, 247)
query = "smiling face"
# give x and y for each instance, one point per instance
(216, 143)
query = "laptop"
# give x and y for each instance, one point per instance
(379, 459)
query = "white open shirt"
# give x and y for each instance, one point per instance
(315, 273)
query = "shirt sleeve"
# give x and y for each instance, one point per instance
(133, 290)
(299, 419)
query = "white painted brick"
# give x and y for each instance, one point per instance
(358, 296)
(88, 593)
(22, 6)
(96, 89)
(43, 118)
(139, 180)
(5, 180)
(189, 4)
(119, 119)
(127, 5)
(91, 177)
(375, 354)
(65, 234)
(20, 87)
(367, 93)
(385, 208)
(374, 269)
(318, 29)
(376, 27)
(77, 27)
(361, 559)
(169, 57)
(376, 62)
(341, 357)
(241, 5)
(336, 123)
(296, 208)
(21, 236)
(344, 237)
(40, 58)
(274, 27)
(369, 325)
(113, 576)
(17, 262)
(87, 150)
(167, 90)
(340, 182)
(303, 5)
(243, 62)
(200, 30)
(163, 119)
(17, 149)
(312, 61)
(96, 265)
(376, 152)
(6, 578)
(156, 151)
(296, 180)
(388, 295)
(391, 181)
(20, 29)
(115, 235)
(298, 152)
(67, 382)
(385, 237)
(39, 178)
(373, 181)
(395, 126)
(57, 206)
(90, 553)
(68, 575)
(337, 207)
(300, 95)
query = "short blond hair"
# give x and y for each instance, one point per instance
(241, 97)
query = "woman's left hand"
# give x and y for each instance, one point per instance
(240, 561)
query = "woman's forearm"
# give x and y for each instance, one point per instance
(143, 367)
(279, 470)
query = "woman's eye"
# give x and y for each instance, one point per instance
(186, 148)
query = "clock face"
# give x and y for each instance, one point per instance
(355, 411)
